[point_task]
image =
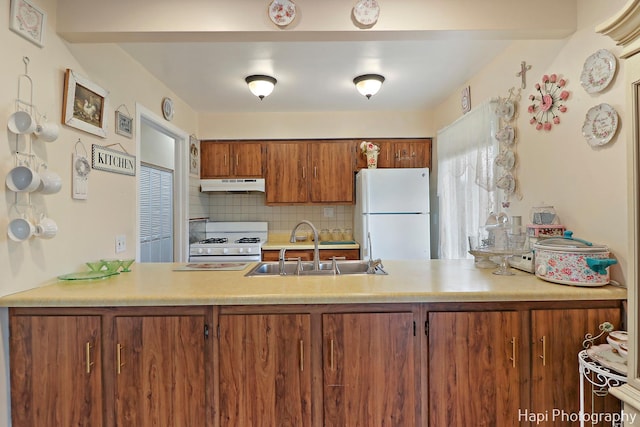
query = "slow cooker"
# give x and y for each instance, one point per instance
(570, 261)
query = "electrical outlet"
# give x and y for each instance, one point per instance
(121, 243)
(329, 212)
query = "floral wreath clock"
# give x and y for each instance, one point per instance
(548, 102)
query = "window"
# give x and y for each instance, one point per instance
(467, 194)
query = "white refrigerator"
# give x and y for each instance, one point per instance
(392, 207)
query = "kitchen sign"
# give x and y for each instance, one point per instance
(109, 160)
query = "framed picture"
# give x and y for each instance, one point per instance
(194, 156)
(124, 125)
(84, 105)
(28, 20)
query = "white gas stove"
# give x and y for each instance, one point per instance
(230, 242)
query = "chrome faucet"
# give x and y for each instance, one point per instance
(316, 250)
(281, 261)
(372, 264)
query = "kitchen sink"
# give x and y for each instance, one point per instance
(344, 267)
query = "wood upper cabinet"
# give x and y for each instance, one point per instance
(475, 368)
(331, 166)
(56, 371)
(309, 172)
(230, 159)
(402, 153)
(160, 371)
(370, 373)
(286, 173)
(557, 337)
(265, 370)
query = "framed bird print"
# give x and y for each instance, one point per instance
(84, 104)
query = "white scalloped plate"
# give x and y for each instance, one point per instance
(366, 12)
(598, 71)
(282, 12)
(600, 124)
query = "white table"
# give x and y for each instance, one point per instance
(601, 379)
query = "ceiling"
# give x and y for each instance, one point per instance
(315, 76)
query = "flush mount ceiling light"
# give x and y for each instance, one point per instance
(261, 85)
(368, 84)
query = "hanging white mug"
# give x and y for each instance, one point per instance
(21, 122)
(20, 229)
(50, 182)
(47, 131)
(23, 179)
(46, 228)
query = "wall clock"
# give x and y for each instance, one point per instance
(167, 108)
(548, 102)
(465, 99)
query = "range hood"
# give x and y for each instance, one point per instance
(232, 185)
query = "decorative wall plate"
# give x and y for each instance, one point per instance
(465, 99)
(167, 108)
(598, 71)
(600, 124)
(548, 102)
(366, 12)
(282, 12)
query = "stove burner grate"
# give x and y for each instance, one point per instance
(248, 240)
(215, 240)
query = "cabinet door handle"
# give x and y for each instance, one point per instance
(89, 363)
(237, 159)
(543, 356)
(119, 362)
(331, 354)
(304, 172)
(301, 355)
(225, 159)
(513, 351)
(315, 171)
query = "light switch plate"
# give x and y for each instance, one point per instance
(329, 212)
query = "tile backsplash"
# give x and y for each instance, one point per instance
(251, 207)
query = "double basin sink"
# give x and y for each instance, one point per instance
(305, 268)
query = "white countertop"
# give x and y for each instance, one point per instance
(407, 281)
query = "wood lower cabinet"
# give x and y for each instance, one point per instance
(307, 254)
(369, 368)
(495, 367)
(312, 367)
(111, 367)
(160, 371)
(56, 374)
(474, 368)
(557, 337)
(265, 378)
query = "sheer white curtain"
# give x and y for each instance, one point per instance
(466, 150)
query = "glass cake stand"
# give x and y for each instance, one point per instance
(504, 269)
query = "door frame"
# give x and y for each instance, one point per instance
(180, 185)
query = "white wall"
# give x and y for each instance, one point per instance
(587, 186)
(87, 229)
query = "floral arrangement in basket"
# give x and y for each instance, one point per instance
(370, 151)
